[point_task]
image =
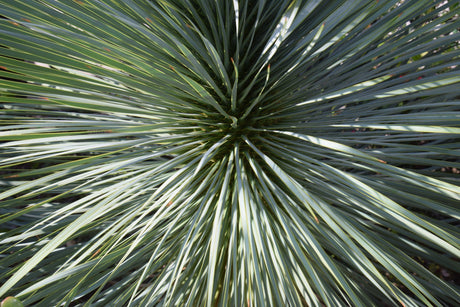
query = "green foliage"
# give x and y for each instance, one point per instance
(11, 302)
(229, 153)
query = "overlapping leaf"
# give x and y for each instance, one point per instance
(229, 152)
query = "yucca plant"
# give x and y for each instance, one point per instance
(230, 153)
